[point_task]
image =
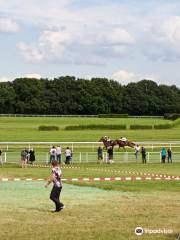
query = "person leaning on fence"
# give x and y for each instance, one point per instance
(24, 158)
(143, 153)
(1, 160)
(32, 157)
(163, 155)
(58, 154)
(137, 149)
(100, 154)
(68, 155)
(52, 154)
(110, 154)
(169, 155)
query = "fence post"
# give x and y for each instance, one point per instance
(5, 157)
(47, 158)
(87, 157)
(80, 157)
(148, 157)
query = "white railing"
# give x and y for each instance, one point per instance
(6, 146)
(85, 157)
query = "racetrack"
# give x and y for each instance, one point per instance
(94, 210)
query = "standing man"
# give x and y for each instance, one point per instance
(163, 155)
(58, 154)
(1, 161)
(137, 149)
(100, 154)
(169, 153)
(143, 152)
(52, 154)
(68, 155)
(57, 186)
(110, 154)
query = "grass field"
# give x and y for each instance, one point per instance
(94, 210)
(26, 129)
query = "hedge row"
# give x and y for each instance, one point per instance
(137, 126)
(113, 115)
(95, 127)
(163, 126)
(48, 128)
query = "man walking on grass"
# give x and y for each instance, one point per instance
(57, 186)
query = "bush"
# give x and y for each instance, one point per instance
(163, 126)
(135, 126)
(48, 128)
(95, 127)
(112, 115)
(172, 116)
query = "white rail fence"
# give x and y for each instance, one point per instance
(153, 145)
(85, 157)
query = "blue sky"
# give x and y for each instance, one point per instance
(119, 39)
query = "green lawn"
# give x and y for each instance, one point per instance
(94, 210)
(26, 129)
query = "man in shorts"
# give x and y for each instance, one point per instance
(57, 186)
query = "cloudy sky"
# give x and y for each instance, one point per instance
(126, 40)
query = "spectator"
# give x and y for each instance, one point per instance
(1, 161)
(137, 149)
(24, 158)
(100, 154)
(32, 157)
(68, 155)
(27, 152)
(169, 153)
(143, 152)
(57, 186)
(163, 155)
(110, 154)
(52, 154)
(58, 154)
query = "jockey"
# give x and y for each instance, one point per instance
(123, 139)
(108, 139)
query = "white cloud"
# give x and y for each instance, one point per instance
(5, 79)
(8, 25)
(30, 52)
(125, 77)
(33, 75)
(117, 36)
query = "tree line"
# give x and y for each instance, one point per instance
(68, 95)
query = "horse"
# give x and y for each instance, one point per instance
(107, 144)
(124, 144)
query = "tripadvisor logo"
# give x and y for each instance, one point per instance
(139, 231)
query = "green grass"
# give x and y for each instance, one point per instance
(26, 129)
(101, 210)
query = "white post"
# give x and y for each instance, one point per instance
(47, 158)
(106, 158)
(80, 157)
(5, 157)
(148, 157)
(72, 148)
(87, 157)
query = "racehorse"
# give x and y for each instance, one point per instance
(118, 142)
(125, 143)
(106, 143)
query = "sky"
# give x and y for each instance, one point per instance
(124, 40)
